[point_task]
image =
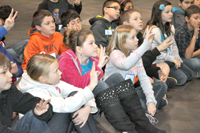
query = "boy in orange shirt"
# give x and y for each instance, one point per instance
(44, 39)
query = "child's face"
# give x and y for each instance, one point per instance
(112, 11)
(197, 3)
(128, 6)
(135, 20)
(47, 27)
(193, 21)
(89, 48)
(75, 24)
(5, 79)
(54, 75)
(185, 4)
(167, 14)
(131, 42)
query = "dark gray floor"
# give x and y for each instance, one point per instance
(182, 113)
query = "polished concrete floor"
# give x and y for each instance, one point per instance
(182, 115)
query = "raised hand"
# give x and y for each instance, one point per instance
(41, 107)
(93, 77)
(149, 36)
(165, 44)
(10, 21)
(103, 58)
(77, 2)
(14, 68)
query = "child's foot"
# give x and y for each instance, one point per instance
(163, 103)
(171, 82)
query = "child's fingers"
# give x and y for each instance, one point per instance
(74, 115)
(11, 14)
(46, 102)
(15, 15)
(93, 67)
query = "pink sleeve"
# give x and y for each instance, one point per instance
(71, 75)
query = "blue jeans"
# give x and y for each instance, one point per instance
(30, 123)
(159, 88)
(193, 63)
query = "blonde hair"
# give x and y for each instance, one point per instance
(118, 39)
(38, 65)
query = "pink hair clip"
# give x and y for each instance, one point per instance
(122, 1)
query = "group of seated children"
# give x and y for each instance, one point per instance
(119, 67)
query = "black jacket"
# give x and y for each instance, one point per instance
(58, 8)
(13, 100)
(148, 58)
(102, 30)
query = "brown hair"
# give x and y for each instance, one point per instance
(118, 39)
(193, 9)
(75, 38)
(39, 15)
(4, 61)
(38, 65)
(107, 3)
(126, 15)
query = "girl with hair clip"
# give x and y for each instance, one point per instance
(160, 23)
(126, 5)
(70, 104)
(114, 96)
(125, 58)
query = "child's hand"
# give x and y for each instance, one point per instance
(151, 108)
(196, 31)
(77, 2)
(93, 77)
(149, 36)
(10, 21)
(81, 116)
(177, 63)
(165, 44)
(103, 58)
(41, 107)
(14, 68)
(162, 75)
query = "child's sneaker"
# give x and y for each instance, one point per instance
(196, 74)
(171, 82)
(163, 103)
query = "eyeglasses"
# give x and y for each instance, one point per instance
(116, 8)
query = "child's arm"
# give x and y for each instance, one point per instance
(31, 49)
(189, 53)
(156, 42)
(126, 63)
(71, 75)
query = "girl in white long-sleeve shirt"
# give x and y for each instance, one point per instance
(43, 80)
(125, 58)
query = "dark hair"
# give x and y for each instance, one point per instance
(67, 16)
(123, 4)
(193, 9)
(5, 11)
(4, 61)
(126, 15)
(75, 38)
(107, 3)
(39, 15)
(156, 17)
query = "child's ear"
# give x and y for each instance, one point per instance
(179, 3)
(125, 23)
(38, 27)
(42, 79)
(78, 49)
(105, 10)
(65, 28)
(186, 19)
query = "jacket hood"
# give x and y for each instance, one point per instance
(176, 9)
(28, 85)
(34, 31)
(98, 17)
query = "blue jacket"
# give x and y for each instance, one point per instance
(3, 32)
